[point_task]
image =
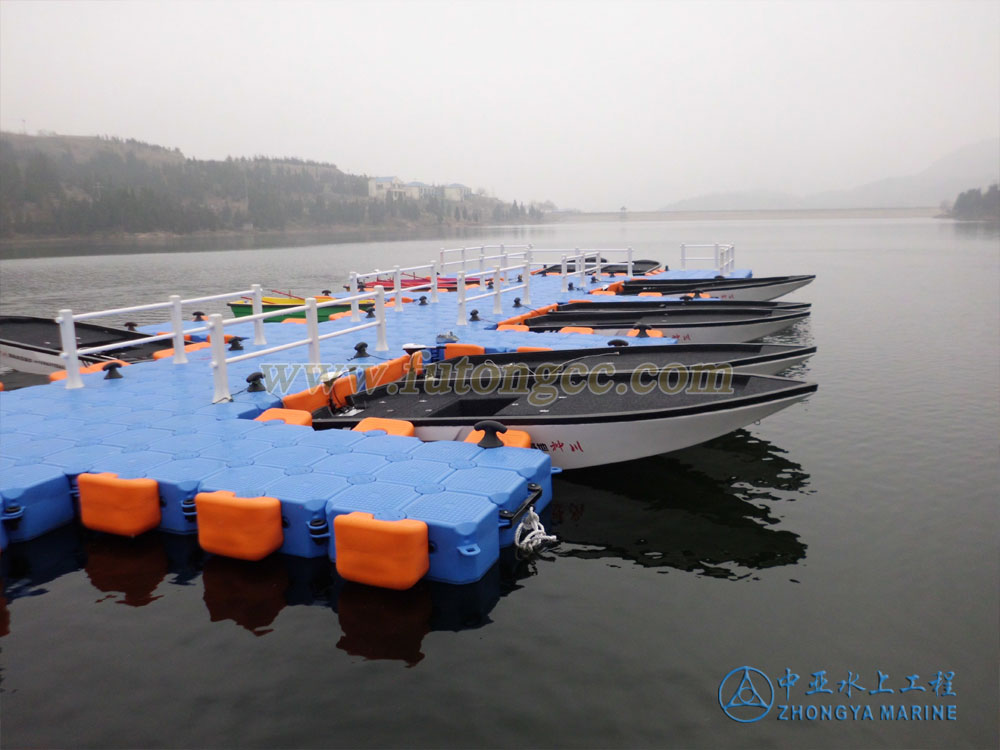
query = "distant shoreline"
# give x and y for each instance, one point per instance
(16, 246)
(790, 213)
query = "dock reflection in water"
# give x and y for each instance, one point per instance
(375, 623)
(697, 510)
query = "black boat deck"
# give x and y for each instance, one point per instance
(679, 286)
(627, 359)
(43, 334)
(639, 267)
(653, 304)
(673, 317)
(534, 401)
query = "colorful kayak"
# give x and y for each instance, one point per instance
(243, 308)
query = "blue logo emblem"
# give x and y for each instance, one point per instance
(746, 695)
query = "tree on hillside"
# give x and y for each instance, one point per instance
(78, 186)
(978, 206)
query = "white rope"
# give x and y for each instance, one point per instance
(530, 535)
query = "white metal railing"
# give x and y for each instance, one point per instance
(71, 353)
(723, 256)
(480, 255)
(504, 258)
(500, 287)
(583, 261)
(397, 285)
(220, 363)
(592, 256)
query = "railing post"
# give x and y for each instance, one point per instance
(355, 309)
(684, 263)
(219, 373)
(258, 307)
(503, 261)
(312, 330)
(482, 265)
(718, 265)
(397, 288)
(67, 332)
(435, 270)
(441, 258)
(460, 289)
(629, 270)
(562, 272)
(463, 259)
(380, 343)
(177, 323)
(529, 256)
(497, 290)
(581, 267)
(527, 283)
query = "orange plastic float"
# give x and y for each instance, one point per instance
(96, 367)
(390, 554)
(651, 332)
(288, 416)
(463, 350)
(127, 507)
(511, 438)
(247, 528)
(164, 353)
(390, 426)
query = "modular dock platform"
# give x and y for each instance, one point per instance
(150, 450)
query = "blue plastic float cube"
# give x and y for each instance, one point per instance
(35, 499)
(304, 498)
(179, 481)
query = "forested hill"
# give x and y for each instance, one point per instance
(975, 205)
(54, 185)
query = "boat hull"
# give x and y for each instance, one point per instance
(30, 359)
(759, 294)
(736, 331)
(33, 345)
(740, 290)
(722, 334)
(583, 444)
(774, 367)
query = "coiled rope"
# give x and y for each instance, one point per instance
(530, 534)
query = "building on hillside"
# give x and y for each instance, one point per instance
(418, 190)
(381, 187)
(456, 192)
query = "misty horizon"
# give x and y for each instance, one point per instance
(590, 105)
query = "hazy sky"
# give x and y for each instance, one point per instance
(593, 105)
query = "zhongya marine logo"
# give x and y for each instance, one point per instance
(746, 695)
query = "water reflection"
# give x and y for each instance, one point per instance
(976, 229)
(697, 510)
(251, 594)
(375, 623)
(131, 567)
(382, 624)
(798, 334)
(25, 568)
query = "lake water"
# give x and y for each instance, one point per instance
(849, 537)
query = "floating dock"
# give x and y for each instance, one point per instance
(157, 448)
